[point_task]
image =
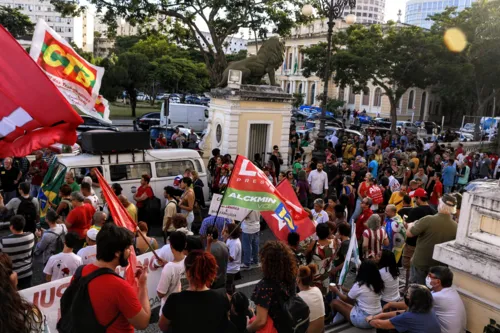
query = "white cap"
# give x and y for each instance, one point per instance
(92, 234)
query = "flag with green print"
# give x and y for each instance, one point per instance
(49, 190)
(351, 256)
(250, 188)
(77, 79)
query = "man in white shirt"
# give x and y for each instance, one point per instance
(90, 198)
(170, 279)
(318, 182)
(65, 263)
(448, 305)
(393, 182)
(319, 215)
(88, 253)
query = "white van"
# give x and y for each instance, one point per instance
(186, 115)
(126, 169)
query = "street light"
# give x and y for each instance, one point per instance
(334, 10)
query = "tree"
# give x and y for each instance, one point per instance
(469, 79)
(15, 22)
(130, 72)
(298, 100)
(332, 104)
(392, 57)
(222, 17)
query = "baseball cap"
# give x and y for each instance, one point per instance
(449, 200)
(418, 193)
(92, 234)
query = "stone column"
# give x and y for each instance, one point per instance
(306, 96)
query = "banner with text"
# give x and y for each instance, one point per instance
(227, 211)
(47, 296)
(77, 79)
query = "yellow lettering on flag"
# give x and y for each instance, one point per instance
(47, 55)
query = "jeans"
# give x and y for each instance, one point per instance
(447, 189)
(34, 190)
(357, 210)
(8, 196)
(250, 244)
(418, 275)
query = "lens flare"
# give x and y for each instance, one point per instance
(455, 40)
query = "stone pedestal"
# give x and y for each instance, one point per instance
(474, 257)
(249, 120)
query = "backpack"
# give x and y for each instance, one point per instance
(28, 210)
(60, 239)
(376, 194)
(294, 314)
(77, 314)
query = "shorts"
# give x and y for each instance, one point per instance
(358, 318)
(408, 251)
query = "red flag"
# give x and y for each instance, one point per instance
(122, 219)
(304, 226)
(33, 113)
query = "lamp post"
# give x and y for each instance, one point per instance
(334, 10)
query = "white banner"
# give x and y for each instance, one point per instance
(47, 296)
(77, 79)
(230, 212)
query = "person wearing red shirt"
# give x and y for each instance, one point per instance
(144, 192)
(468, 159)
(363, 217)
(114, 300)
(437, 191)
(362, 193)
(79, 218)
(37, 170)
(161, 142)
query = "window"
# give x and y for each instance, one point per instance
(173, 168)
(370, 15)
(377, 99)
(366, 97)
(81, 172)
(364, 14)
(198, 166)
(341, 94)
(411, 100)
(129, 171)
(352, 97)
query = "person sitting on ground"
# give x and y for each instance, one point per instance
(364, 297)
(177, 313)
(48, 242)
(419, 317)
(144, 244)
(448, 304)
(389, 271)
(313, 298)
(89, 252)
(18, 315)
(65, 263)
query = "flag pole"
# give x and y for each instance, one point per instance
(225, 191)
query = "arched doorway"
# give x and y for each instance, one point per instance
(288, 88)
(313, 93)
(422, 106)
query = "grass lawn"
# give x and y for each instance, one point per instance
(121, 111)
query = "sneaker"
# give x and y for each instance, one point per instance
(244, 267)
(338, 319)
(257, 265)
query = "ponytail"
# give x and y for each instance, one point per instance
(307, 273)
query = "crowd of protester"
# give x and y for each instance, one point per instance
(402, 197)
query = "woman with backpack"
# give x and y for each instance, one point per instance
(277, 287)
(52, 241)
(322, 252)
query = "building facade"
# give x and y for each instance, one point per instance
(369, 11)
(79, 30)
(415, 103)
(103, 45)
(417, 11)
(232, 44)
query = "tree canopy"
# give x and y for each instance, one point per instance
(15, 22)
(223, 18)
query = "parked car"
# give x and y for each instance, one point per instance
(147, 120)
(469, 128)
(428, 125)
(408, 126)
(364, 119)
(142, 97)
(90, 124)
(197, 100)
(381, 122)
(300, 115)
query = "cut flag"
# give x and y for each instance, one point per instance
(49, 190)
(250, 188)
(33, 113)
(122, 219)
(304, 227)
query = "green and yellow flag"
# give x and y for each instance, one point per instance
(49, 190)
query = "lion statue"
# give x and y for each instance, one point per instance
(254, 68)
